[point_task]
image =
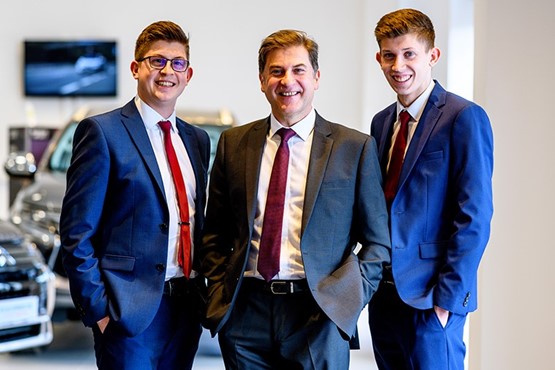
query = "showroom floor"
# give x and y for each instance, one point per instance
(72, 350)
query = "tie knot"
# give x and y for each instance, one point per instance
(285, 134)
(165, 126)
(404, 117)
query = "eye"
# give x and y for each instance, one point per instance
(299, 70)
(388, 56)
(179, 64)
(276, 71)
(158, 61)
(410, 54)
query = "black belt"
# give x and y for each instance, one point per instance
(277, 287)
(177, 286)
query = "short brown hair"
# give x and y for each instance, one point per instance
(405, 21)
(160, 31)
(287, 38)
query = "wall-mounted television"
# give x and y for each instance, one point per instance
(70, 68)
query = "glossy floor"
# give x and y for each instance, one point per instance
(72, 350)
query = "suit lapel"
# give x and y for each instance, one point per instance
(253, 152)
(193, 151)
(322, 143)
(134, 125)
(385, 137)
(428, 121)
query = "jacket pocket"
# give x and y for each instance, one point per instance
(114, 262)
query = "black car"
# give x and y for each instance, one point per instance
(26, 293)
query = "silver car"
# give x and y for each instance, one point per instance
(26, 293)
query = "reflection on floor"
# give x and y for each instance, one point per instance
(72, 349)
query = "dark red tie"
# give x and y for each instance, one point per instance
(397, 157)
(184, 247)
(270, 240)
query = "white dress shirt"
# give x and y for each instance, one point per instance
(291, 264)
(151, 118)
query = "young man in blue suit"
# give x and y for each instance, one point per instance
(298, 308)
(440, 203)
(128, 231)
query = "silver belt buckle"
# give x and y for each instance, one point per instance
(276, 283)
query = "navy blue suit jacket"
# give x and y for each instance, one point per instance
(114, 221)
(440, 217)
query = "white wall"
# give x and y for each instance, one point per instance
(515, 322)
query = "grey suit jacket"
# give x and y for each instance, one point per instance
(343, 206)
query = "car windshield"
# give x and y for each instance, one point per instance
(61, 157)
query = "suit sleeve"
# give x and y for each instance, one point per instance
(372, 220)
(471, 192)
(87, 180)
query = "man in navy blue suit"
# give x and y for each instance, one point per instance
(440, 204)
(121, 227)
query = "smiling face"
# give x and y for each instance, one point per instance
(289, 82)
(161, 88)
(407, 63)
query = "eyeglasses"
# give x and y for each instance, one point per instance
(178, 64)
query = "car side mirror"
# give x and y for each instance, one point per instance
(21, 164)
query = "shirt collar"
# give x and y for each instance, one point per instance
(417, 107)
(303, 128)
(151, 117)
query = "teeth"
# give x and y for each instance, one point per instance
(288, 93)
(401, 78)
(165, 83)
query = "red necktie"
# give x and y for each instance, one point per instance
(397, 157)
(184, 247)
(270, 240)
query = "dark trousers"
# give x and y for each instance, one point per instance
(169, 343)
(280, 331)
(405, 338)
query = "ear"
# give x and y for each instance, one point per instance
(379, 58)
(134, 69)
(189, 73)
(317, 80)
(261, 79)
(434, 56)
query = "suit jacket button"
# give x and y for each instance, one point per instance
(164, 227)
(160, 267)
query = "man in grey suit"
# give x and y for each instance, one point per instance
(301, 312)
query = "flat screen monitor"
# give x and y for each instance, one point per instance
(70, 68)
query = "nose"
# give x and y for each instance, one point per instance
(167, 68)
(397, 64)
(287, 78)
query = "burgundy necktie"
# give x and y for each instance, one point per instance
(397, 157)
(184, 247)
(270, 240)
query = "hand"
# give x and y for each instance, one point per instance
(442, 315)
(103, 323)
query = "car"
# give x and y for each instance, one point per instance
(37, 206)
(26, 293)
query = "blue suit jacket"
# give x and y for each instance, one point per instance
(344, 205)
(114, 221)
(440, 217)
